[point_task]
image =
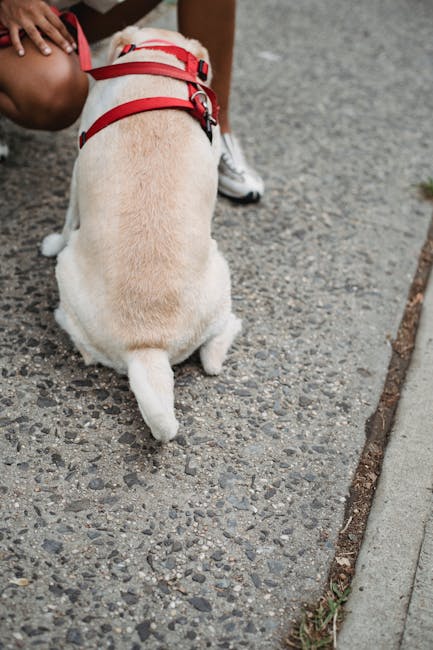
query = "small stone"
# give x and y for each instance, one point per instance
(201, 604)
(227, 479)
(190, 468)
(256, 580)
(46, 402)
(275, 567)
(77, 506)
(96, 484)
(126, 439)
(112, 410)
(279, 409)
(73, 594)
(143, 630)
(239, 504)
(131, 479)
(198, 577)
(242, 392)
(19, 582)
(129, 597)
(52, 546)
(217, 556)
(57, 460)
(74, 636)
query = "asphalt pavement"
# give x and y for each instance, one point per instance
(109, 540)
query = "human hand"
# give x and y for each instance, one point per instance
(34, 17)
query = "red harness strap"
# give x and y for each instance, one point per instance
(199, 94)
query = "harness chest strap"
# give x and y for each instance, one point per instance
(140, 106)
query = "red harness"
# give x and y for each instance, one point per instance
(194, 73)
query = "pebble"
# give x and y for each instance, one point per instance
(74, 636)
(190, 467)
(202, 604)
(143, 630)
(78, 505)
(46, 402)
(130, 597)
(96, 484)
(131, 479)
(52, 546)
(239, 504)
(198, 577)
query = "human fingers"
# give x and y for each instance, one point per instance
(14, 33)
(35, 36)
(58, 34)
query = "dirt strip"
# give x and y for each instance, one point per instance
(321, 620)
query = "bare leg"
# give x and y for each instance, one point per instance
(41, 92)
(212, 22)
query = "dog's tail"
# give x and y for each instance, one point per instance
(151, 380)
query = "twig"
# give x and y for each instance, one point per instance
(334, 629)
(347, 524)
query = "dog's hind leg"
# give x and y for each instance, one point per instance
(66, 323)
(151, 380)
(214, 351)
(53, 244)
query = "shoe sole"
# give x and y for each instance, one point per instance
(251, 197)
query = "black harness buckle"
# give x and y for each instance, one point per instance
(127, 49)
(202, 69)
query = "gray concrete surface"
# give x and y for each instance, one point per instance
(110, 541)
(390, 606)
(418, 630)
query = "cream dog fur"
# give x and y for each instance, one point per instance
(142, 283)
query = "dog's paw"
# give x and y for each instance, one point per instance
(211, 366)
(52, 244)
(4, 151)
(164, 428)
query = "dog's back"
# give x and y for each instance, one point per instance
(141, 282)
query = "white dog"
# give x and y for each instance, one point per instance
(142, 284)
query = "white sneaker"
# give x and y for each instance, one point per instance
(236, 179)
(4, 150)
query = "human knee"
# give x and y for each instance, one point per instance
(61, 99)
